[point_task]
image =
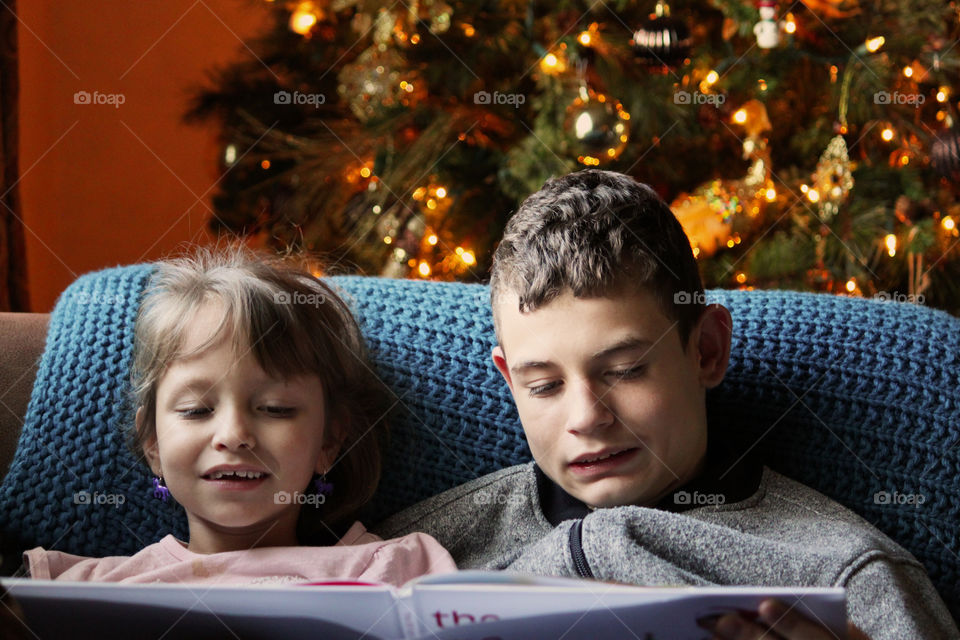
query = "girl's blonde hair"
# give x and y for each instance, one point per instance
(294, 324)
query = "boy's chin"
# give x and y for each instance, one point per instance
(599, 497)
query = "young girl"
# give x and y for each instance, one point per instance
(259, 414)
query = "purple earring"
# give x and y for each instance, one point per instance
(160, 491)
(321, 485)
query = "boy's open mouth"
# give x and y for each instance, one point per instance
(603, 459)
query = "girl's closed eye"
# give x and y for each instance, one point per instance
(193, 413)
(278, 411)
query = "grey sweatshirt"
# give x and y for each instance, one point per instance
(781, 533)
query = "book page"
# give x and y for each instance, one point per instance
(56, 609)
(596, 609)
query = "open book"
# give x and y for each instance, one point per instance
(466, 605)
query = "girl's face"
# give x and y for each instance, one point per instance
(236, 447)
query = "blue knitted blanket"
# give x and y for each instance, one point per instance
(856, 398)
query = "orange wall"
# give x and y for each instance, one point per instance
(101, 185)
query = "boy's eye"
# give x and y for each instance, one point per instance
(630, 372)
(278, 412)
(543, 389)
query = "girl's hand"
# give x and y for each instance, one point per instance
(784, 622)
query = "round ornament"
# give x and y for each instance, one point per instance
(376, 81)
(663, 40)
(598, 127)
(945, 155)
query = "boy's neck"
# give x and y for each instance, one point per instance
(725, 470)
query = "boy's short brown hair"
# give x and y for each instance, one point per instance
(593, 232)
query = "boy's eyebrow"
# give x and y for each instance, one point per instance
(521, 367)
(627, 344)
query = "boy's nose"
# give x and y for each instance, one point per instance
(233, 431)
(587, 411)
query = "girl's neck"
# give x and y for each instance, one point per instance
(206, 539)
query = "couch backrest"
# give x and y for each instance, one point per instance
(854, 397)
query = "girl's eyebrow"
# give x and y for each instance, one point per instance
(197, 385)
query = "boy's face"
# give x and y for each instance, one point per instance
(613, 408)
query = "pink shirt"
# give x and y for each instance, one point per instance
(359, 555)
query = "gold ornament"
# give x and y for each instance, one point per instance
(375, 82)
(706, 217)
(598, 127)
(833, 179)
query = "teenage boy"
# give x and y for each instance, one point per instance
(609, 373)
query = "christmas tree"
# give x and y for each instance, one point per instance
(804, 145)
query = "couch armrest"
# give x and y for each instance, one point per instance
(22, 338)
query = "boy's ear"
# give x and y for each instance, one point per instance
(150, 449)
(500, 362)
(713, 333)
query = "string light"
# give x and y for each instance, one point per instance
(873, 44)
(851, 285)
(424, 269)
(584, 38)
(908, 72)
(265, 164)
(790, 26)
(468, 258)
(887, 134)
(468, 30)
(948, 223)
(741, 277)
(304, 17)
(943, 94)
(813, 195)
(740, 116)
(771, 194)
(712, 77)
(891, 241)
(432, 239)
(555, 62)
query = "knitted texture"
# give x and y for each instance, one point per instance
(73, 484)
(853, 397)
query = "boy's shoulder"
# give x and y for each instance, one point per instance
(511, 486)
(484, 523)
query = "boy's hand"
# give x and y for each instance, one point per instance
(784, 622)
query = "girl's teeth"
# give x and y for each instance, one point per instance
(253, 475)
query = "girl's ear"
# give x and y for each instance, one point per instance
(333, 442)
(150, 449)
